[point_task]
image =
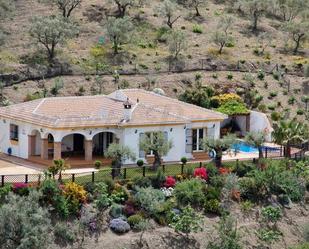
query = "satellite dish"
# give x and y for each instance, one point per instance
(212, 153)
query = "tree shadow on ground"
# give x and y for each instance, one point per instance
(176, 241)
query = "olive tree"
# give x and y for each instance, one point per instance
(157, 144)
(65, 6)
(290, 9)
(51, 31)
(255, 9)
(119, 153)
(167, 10)
(118, 31)
(264, 40)
(221, 36)
(298, 31)
(176, 42)
(24, 223)
(196, 5)
(123, 5)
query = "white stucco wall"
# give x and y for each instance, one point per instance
(260, 122)
(176, 133)
(126, 136)
(20, 147)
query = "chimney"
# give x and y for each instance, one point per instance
(127, 110)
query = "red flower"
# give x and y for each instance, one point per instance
(224, 171)
(201, 173)
(170, 182)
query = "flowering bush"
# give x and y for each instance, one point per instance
(224, 98)
(170, 182)
(201, 173)
(129, 208)
(224, 171)
(168, 192)
(20, 188)
(75, 195)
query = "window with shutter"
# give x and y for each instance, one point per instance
(188, 140)
(141, 152)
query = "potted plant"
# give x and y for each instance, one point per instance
(140, 163)
(97, 164)
(184, 160)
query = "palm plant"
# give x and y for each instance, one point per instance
(290, 132)
(219, 146)
(256, 139)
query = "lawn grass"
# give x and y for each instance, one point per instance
(128, 173)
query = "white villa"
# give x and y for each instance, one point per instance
(81, 128)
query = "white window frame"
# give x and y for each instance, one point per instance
(198, 139)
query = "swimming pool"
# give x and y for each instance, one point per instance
(244, 147)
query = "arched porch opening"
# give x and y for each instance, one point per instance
(72, 145)
(34, 143)
(101, 142)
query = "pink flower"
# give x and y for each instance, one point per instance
(201, 173)
(19, 185)
(170, 182)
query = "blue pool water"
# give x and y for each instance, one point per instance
(244, 147)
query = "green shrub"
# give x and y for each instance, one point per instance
(301, 246)
(187, 221)
(142, 182)
(262, 107)
(271, 214)
(189, 192)
(97, 164)
(162, 34)
(101, 196)
(229, 76)
(140, 163)
(24, 222)
(184, 160)
(212, 170)
(271, 107)
(275, 116)
(212, 193)
(300, 112)
(51, 195)
(228, 236)
(197, 29)
(261, 75)
(149, 199)
(133, 220)
(116, 210)
(246, 206)
(273, 94)
(242, 168)
(268, 235)
(158, 180)
(64, 233)
(4, 191)
(291, 100)
(212, 206)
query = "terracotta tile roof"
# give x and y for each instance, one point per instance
(101, 110)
